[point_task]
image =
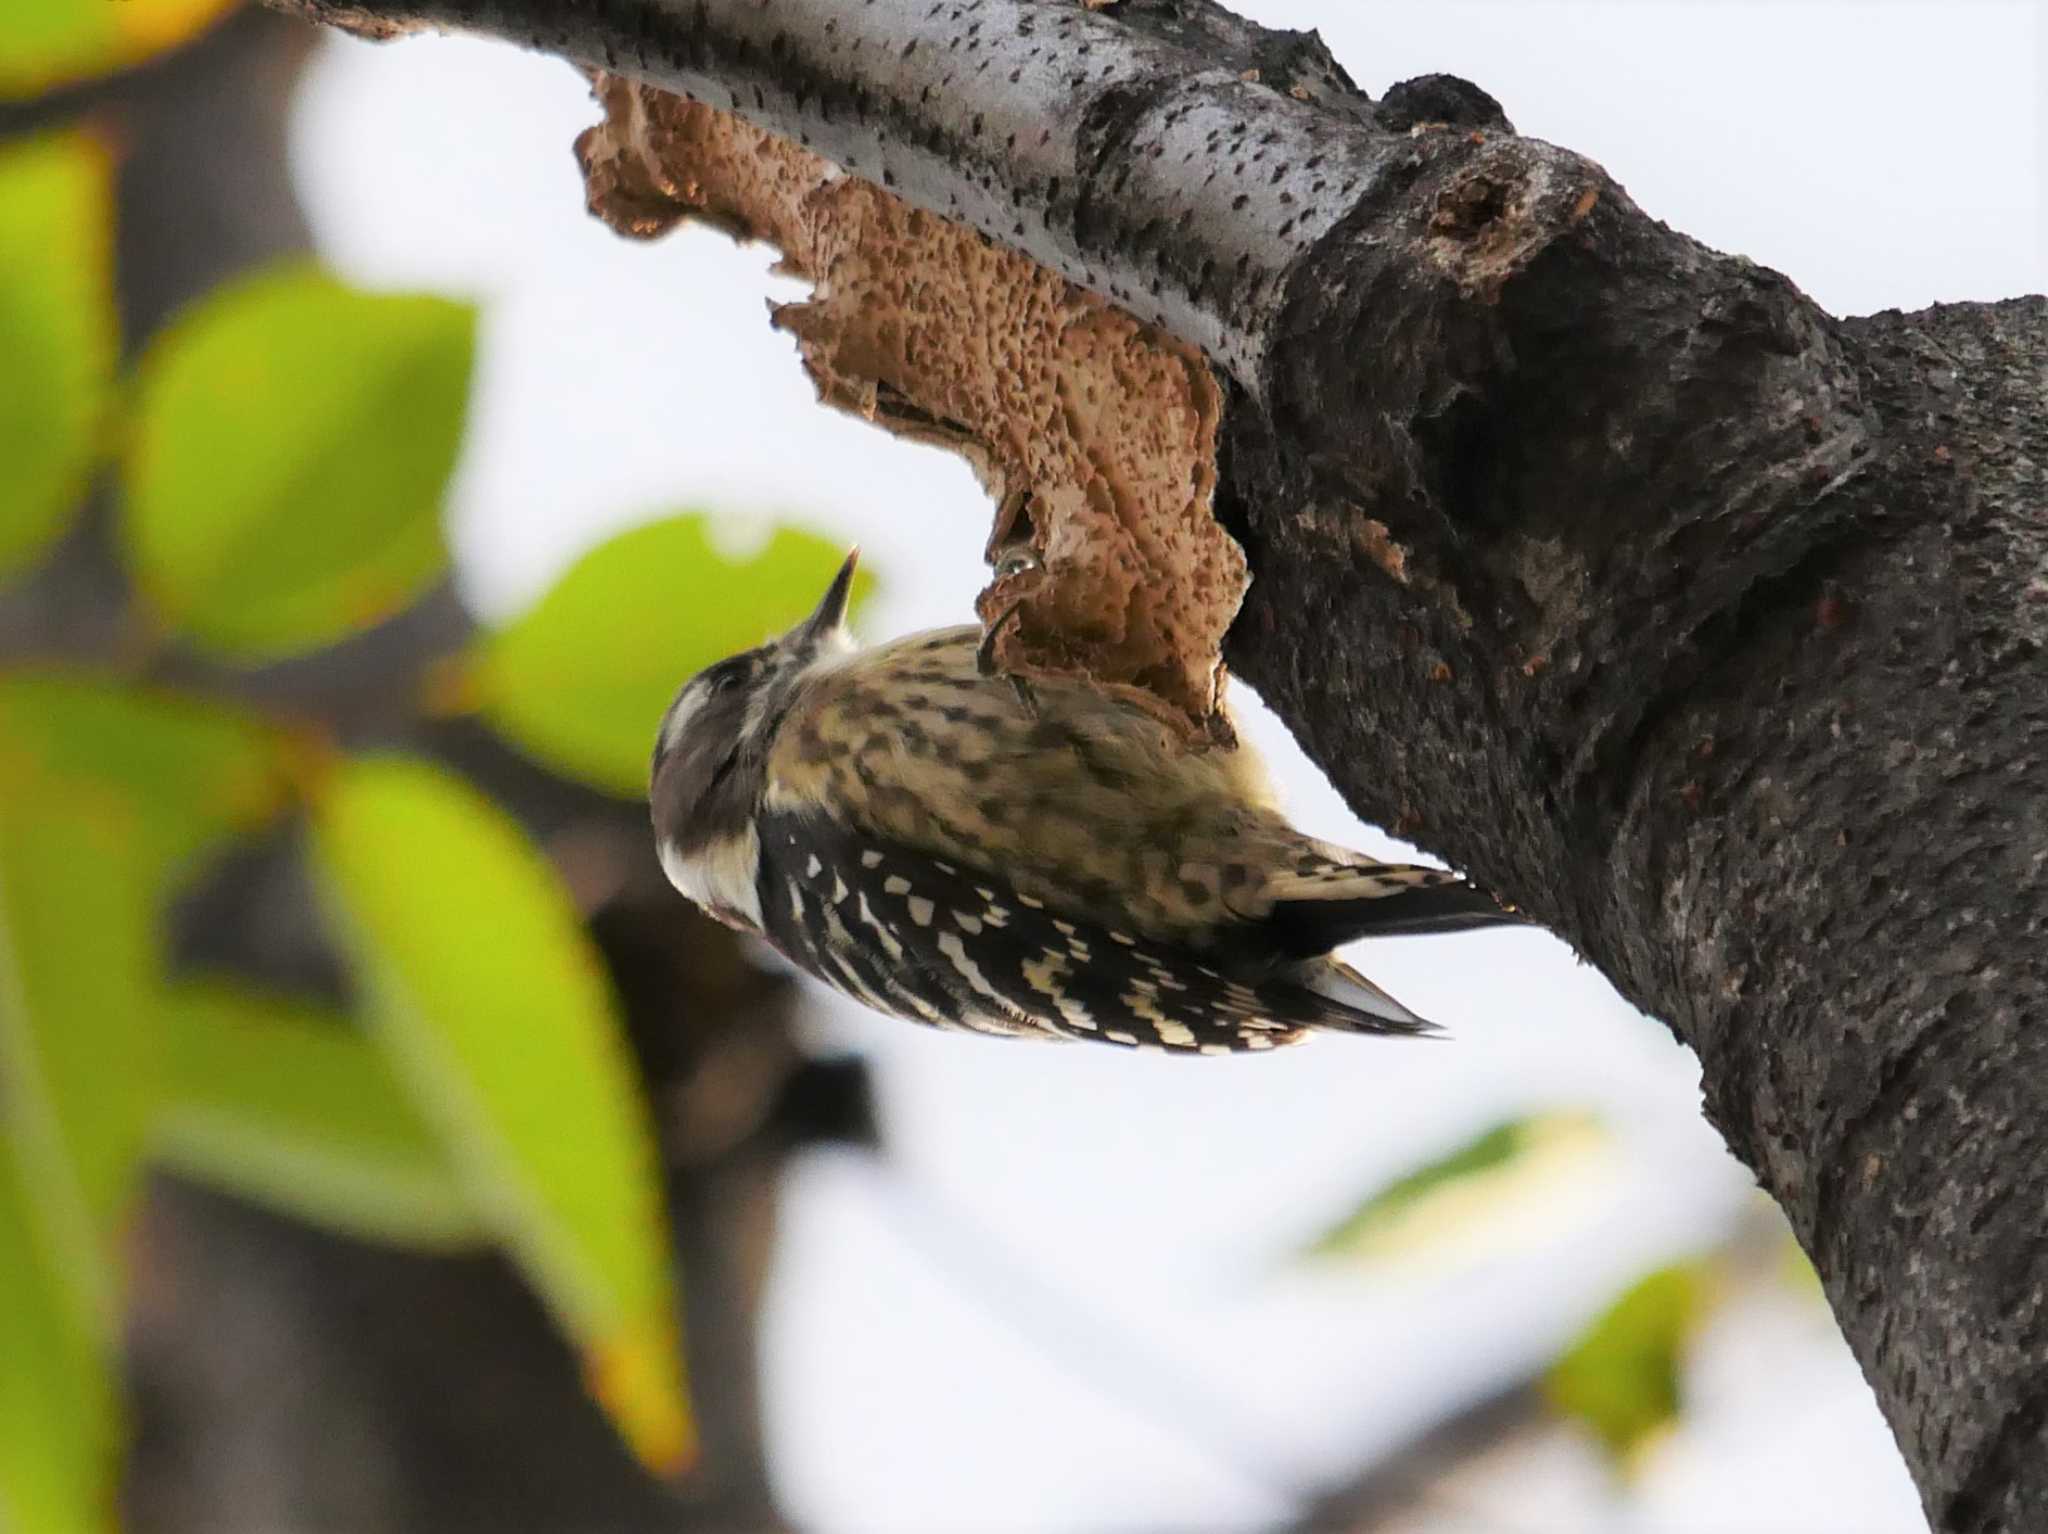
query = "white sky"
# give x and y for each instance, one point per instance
(1063, 1303)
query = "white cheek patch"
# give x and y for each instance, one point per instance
(721, 877)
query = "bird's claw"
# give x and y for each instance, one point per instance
(985, 663)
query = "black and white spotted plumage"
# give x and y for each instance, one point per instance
(926, 939)
(945, 848)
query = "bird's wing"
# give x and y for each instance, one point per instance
(953, 946)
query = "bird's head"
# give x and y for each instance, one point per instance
(711, 756)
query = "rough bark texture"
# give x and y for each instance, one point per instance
(1707, 627)
(283, 1378)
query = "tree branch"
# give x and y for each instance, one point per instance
(1707, 627)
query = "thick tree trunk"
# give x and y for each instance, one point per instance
(1705, 626)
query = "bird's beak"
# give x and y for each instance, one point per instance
(830, 618)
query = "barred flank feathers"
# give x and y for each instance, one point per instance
(910, 934)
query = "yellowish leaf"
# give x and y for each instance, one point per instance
(1515, 1181)
(492, 1005)
(48, 43)
(57, 332)
(1620, 1378)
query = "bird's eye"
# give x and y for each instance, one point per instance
(1014, 562)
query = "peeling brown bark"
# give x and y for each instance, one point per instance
(1704, 625)
(1094, 432)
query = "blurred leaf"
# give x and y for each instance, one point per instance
(1620, 1378)
(582, 679)
(79, 1042)
(288, 1105)
(1468, 1196)
(104, 791)
(295, 437)
(45, 43)
(496, 1013)
(186, 772)
(58, 1415)
(57, 330)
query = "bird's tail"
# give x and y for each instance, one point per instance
(1334, 897)
(1340, 998)
(1283, 1007)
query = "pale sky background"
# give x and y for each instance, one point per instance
(1064, 1303)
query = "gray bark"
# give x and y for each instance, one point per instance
(1704, 625)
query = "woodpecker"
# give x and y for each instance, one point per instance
(1047, 861)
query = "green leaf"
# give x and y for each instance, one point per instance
(104, 793)
(1467, 1197)
(57, 332)
(582, 679)
(59, 1421)
(1621, 1377)
(493, 1006)
(44, 43)
(294, 441)
(79, 1042)
(183, 772)
(288, 1105)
